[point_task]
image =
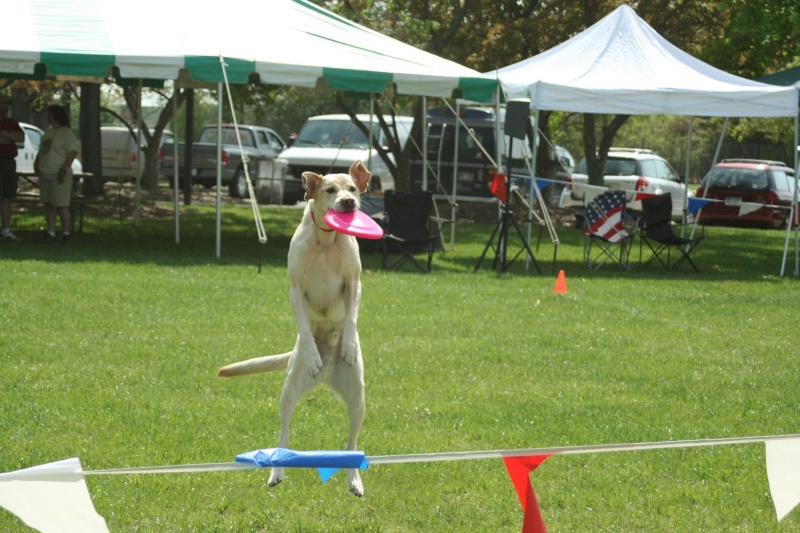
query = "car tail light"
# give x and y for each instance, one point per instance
(224, 158)
(762, 198)
(642, 183)
(772, 198)
(569, 182)
(699, 193)
(132, 158)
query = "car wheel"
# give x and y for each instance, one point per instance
(238, 187)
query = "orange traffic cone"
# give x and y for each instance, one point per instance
(561, 283)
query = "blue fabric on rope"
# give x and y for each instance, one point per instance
(326, 462)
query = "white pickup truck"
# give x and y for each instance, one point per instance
(331, 143)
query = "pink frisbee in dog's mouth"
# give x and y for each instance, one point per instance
(354, 223)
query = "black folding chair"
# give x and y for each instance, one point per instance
(408, 228)
(604, 235)
(658, 233)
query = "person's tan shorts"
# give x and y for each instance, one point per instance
(54, 193)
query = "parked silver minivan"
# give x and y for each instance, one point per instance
(119, 153)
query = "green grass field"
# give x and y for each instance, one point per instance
(110, 345)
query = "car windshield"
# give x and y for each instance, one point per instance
(334, 134)
(739, 179)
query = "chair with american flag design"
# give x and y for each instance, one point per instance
(605, 238)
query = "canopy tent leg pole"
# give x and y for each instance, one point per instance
(220, 96)
(175, 177)
(793, 211)
(493, 160)
(453, 204)
(138, 189)
(713, 164)
(532, 193)
(796, 178)
(369, 137)
(686, 175)
(424, 122)
(536, 194)
(499, 146)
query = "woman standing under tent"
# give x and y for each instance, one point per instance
(58, 148)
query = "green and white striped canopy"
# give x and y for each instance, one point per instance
(282, 42)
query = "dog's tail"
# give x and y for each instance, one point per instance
(268, 363)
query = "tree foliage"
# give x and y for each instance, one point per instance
(747, 38)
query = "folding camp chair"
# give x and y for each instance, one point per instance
(604, 236)
(408, 227)
(657, 232)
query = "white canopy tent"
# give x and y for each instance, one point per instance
(620, 65)
(285, 42)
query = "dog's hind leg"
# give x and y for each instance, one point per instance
(348, 384)
(297, 383)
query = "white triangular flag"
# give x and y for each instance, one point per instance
(51, 498)
(783, 473)
(745, 208)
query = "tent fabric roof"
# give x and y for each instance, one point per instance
(286, 42)
(620, 65)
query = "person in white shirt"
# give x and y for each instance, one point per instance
(53, 165)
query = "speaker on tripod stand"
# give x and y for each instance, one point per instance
(516, 127)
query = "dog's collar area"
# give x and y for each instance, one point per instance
(314, 219)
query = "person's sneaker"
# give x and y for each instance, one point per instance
(48, 238)
(10, 237)
(66, 237)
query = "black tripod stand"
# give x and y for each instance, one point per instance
(516, 126)
(501, 232)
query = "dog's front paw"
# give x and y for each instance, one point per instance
(354, 482)
(313, 363)
(350, 347)
(275, 476)
(350, 353)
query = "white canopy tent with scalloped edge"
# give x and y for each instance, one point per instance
(282, 42)
(620, 65)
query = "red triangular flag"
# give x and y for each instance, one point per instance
(498, 187)
(519, 469)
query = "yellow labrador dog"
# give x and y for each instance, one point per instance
(325, 291)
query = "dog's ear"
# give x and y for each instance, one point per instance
(360, 175)
(310, 182)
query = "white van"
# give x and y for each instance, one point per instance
(119, 153)
(331, 143)
(27, 150)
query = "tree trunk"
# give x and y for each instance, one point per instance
(91, 158)
(597, 153)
